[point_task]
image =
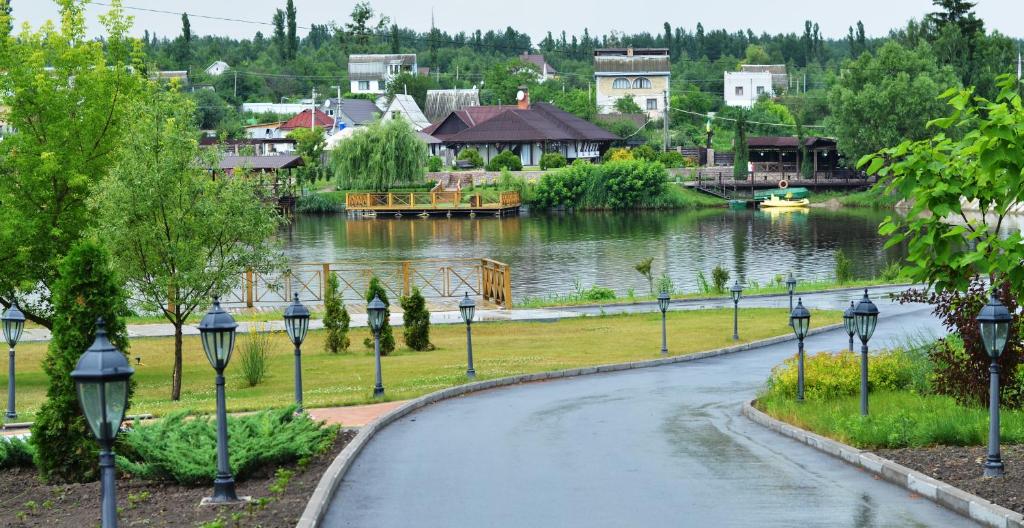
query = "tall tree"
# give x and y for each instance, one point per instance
(66, 135)
(6, 22)
(396, 43)
(359, 28)
(185, 44)
(959, 12)
(278, 39)
(293, 39)
(175, 235)
(386, 154)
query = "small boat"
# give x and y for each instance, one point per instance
(775, 201)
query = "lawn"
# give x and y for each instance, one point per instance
(500, 349)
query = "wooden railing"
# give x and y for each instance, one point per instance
(436, 279)
(426, 200)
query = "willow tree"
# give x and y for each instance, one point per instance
(384, 155)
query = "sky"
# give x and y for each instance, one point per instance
(537, 17)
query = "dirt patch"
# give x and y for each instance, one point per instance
(27, 502)
(962, 467)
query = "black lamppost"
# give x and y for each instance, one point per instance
(800, 320)
(849, 322)
(994, 322)
(375, 312)
(467, 307)
(663, 300)
(791, 287)
(865, 317)
(296, 323)
(736, 291)
(217, 331)
(14, 324)
(101, 377)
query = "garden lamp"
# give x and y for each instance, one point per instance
(101, 379)
(994, 323)
(467, 307)
(791, 287)
(375, 312)
(800, 320)
(736, 290)
(849, 323)
(663, 300)
(217, 333)
(296, 323)
(14, 324)
(865, 317)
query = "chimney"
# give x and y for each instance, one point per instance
(523, 102)
(629, 51)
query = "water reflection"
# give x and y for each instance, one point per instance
(549, 252)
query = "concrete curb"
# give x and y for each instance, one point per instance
(324, 492)
(956, 499)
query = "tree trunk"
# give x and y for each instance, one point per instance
(176, 376)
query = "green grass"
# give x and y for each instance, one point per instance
(872, 198)
(500, 349)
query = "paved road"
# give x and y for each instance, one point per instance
(653, 447)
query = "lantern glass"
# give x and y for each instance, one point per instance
(736, 291)
(848, 320)
(800, 319)
(994, 325)
(865, 318)
(296, 321)
(375, 313)
(663, 300)
(13, 324)
(791, 284)
(104, 404)
(467, 307)
(217, 333)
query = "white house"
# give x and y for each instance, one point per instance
(217, 68)
(641, 74)
(403, 106)
(545, 71)
(745, 87)
(370, 73)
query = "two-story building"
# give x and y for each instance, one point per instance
(753, 81)
(642, 74)
(370, 74)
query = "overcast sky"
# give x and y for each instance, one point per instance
(537, 17)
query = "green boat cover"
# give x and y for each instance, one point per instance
(794, 193)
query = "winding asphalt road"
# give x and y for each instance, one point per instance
(662, 446)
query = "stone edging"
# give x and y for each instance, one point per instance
(324, 492)
(956, 499)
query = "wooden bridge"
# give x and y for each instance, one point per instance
(719, 181)
(431, 203)
(442, 281)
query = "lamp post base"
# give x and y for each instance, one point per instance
(10, 415)
(993, 469)
(378, 392)
(471, 374)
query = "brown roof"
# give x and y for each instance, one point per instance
(301, 120)
(788, 142)
(642, 61)
(538, 61)
(260, 163)
(540, 122)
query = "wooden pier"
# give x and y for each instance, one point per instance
(447, 203)
(719, 181)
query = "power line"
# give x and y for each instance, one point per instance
(709, 116)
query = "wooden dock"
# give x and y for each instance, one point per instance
(719, 181)
(446, 203)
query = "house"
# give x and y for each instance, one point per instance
(181, 76)
(753, 81)
(217, 68)
(264, 130)
(781, 154)
(527, 130)
(546, 71)
(642, 74)
(440, 103)
(308, 119)
(403, 106)
(276, 108)
(351, 112)
(369, 74)
(250, 146)
(5, 127)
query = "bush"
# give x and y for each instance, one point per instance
(506, 159)
(434, 164)
(597, 293)
(318, 203)
(644, 268)
(618, 154)
(632, 184)
(563, 187)
(254, 353)
(183, 449)
(416, 321)
(552, 160)
(65, 449)
(672, 159)
(511, 182)
(719, 277)
(892, 272)
(844, 267)
(387, 336)
(336, 318)
(644, 152)
(471, 155)
(15, 452)
(830, 376)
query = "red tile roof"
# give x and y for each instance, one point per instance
(301, 120)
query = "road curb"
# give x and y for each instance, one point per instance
(324, 492)
(956, 499)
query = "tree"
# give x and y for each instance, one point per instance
(504, 79)
(741, 154)
(505, 160)
(414, 85)
(175, 235)
(387, 336)
(184, 55)
(6, 25)
(65, 449)
(756, 55)
(958, 12)
(385, 154)
(359, 29)
(416, 321)
(310, 144)
(278, 39)
(884, 98)
(626, 105)
(293, 40)
(55, 157)
(336, 318)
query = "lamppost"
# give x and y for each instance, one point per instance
(375, 313)
(791, 287)
(467, 307)
(217, 332)
(736, 291)
(994, 323)
(14, 324)
(865, 317)
(663, 300)
(296, 323)
(101, 377)
(848, 321)
(800, 320)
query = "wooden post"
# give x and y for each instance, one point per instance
(508, 287)
(412, 200)
(248, 289)
(433, 199)
(389, 199)
(324, 277)
(406, 283)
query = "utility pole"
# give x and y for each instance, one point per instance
(312, 110)
(236, 83)
(664, 119)
(337, 111)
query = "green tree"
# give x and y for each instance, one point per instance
(471, 155)
(54, 158)
(359, 29)
(184, 55)
(65, 449)
(175, 235)
(741, 153)
(886, 97)
(756, 55)
(416, 321)
(503, 80)
(387, 336)
(336, 318)
(279, 39)
(627, 105)
(505, 160)
(385, 154)
(310, 144)
(292, 44)
(414, 85)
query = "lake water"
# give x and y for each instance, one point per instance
(549, 253)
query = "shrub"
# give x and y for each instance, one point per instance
(254, 353)
(597, 293)
(416, 321)
(506, 159)
(892, 272)
(434, 164)
(15, 452)
(702, 283)
(511, 182)
(618, 154)
(632, 183)
(318, 203)
(65, 450)
(665, 284)
(552, 160)
(719, 277)
(830, 376)
(644, 268)
(844, 267)
(471, 155)
(387, 336)
(563, 187)
(336, 318)
(182, 449)
(672, 159)
(645, 152)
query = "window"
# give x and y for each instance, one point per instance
(642, 82)
(760, 90)
(364, 85)
(652, 104)
(739, 90)
(621, 84)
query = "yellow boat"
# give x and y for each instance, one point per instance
(775, 201)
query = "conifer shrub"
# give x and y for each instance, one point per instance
(552, 160)
(387, 336)
(719, 276)
(15, 452)
(416, 321)
(434, 164)
(506, 159)
(336, 318)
